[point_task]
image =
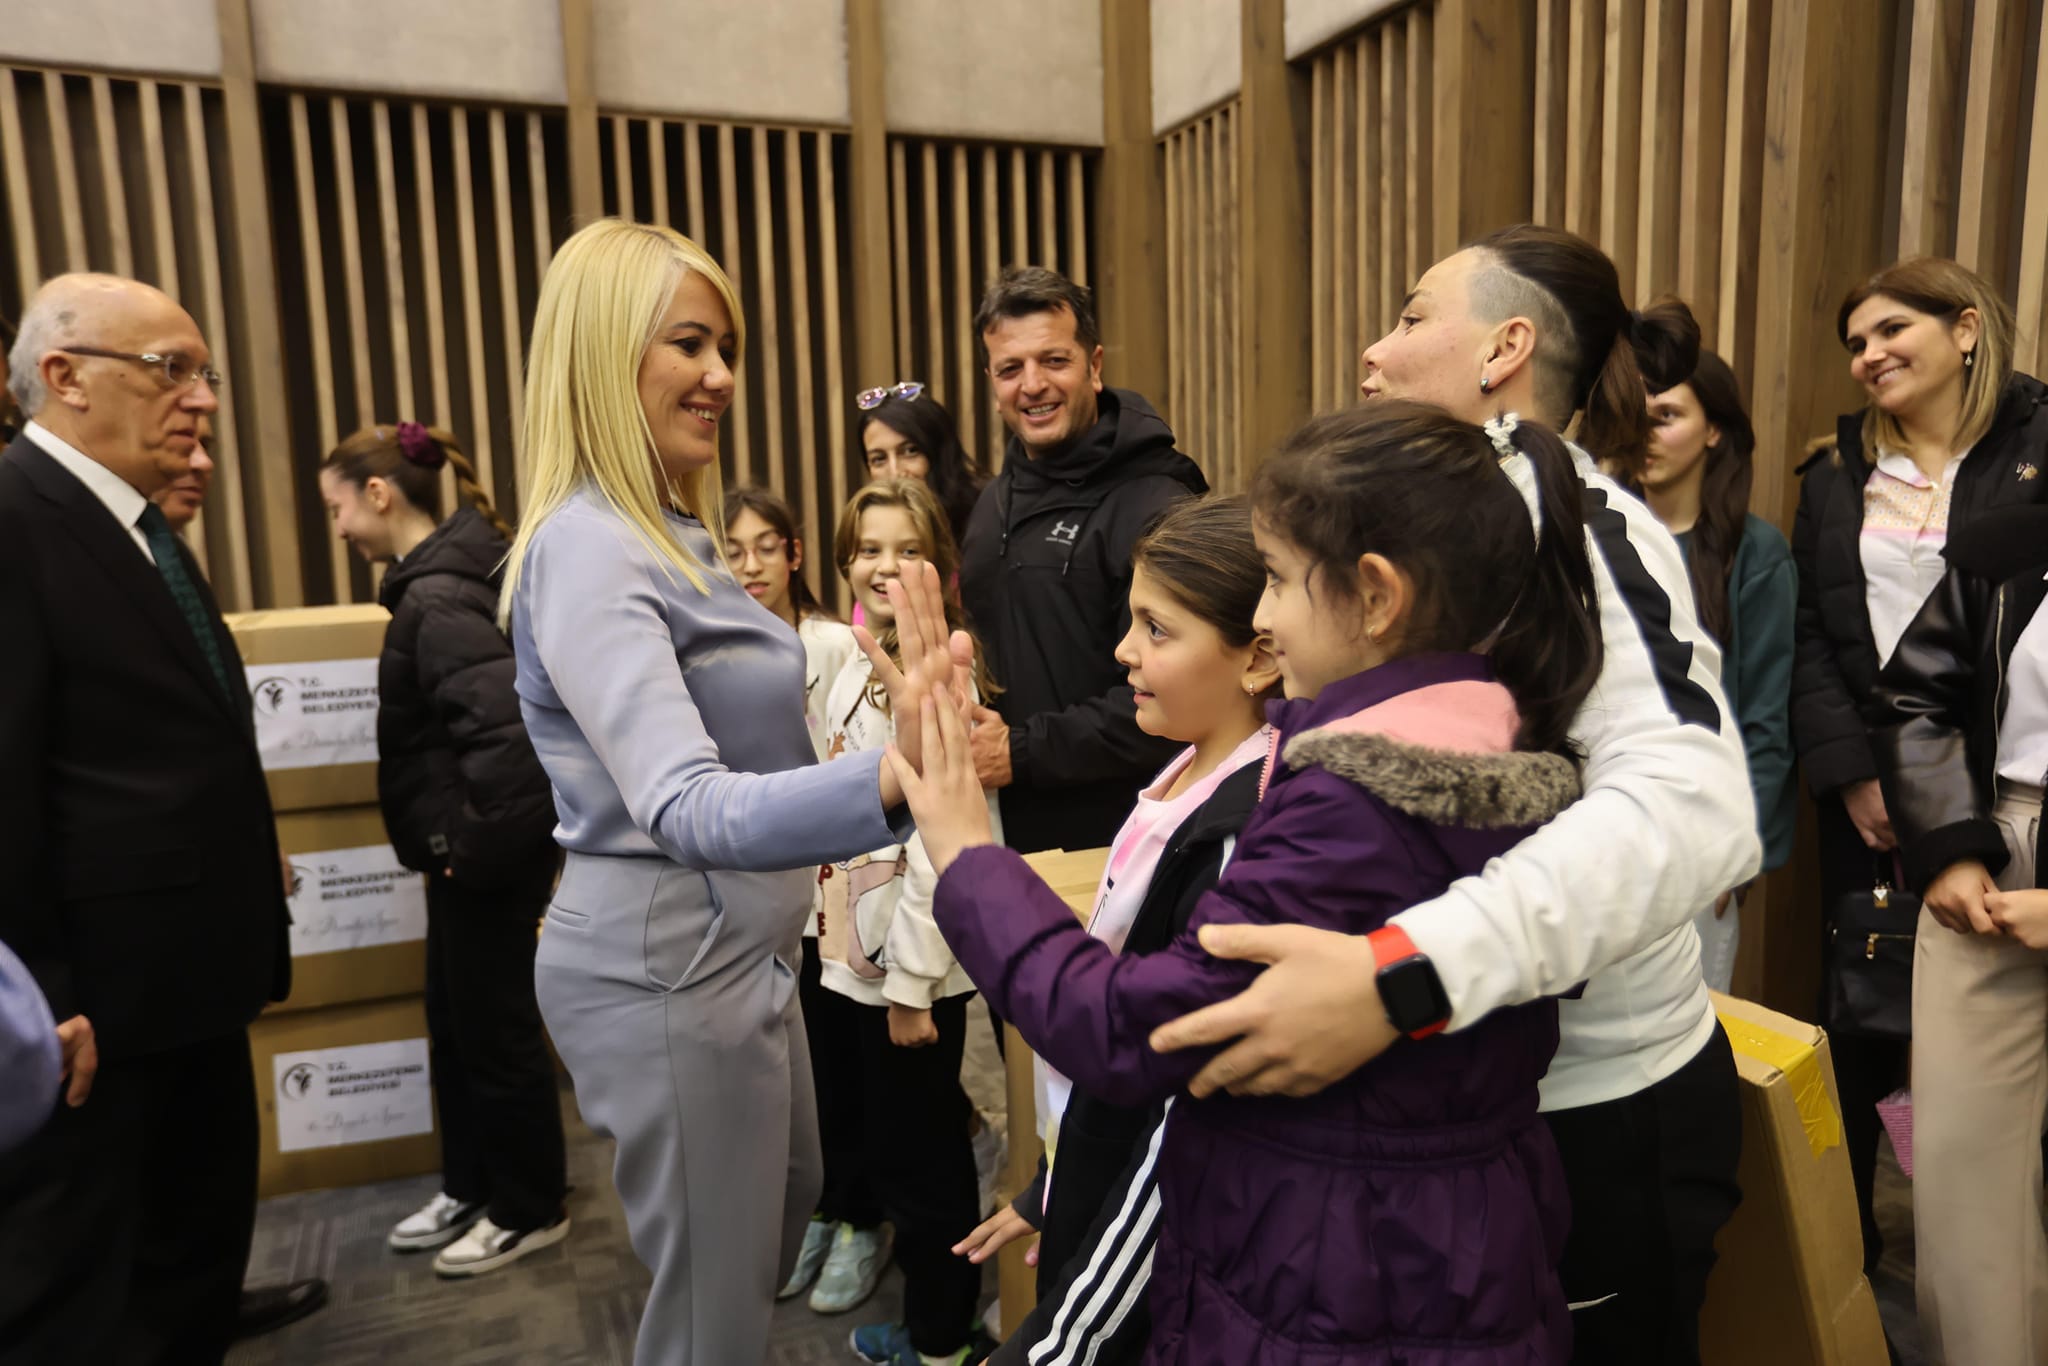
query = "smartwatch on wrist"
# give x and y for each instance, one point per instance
(1414, 997)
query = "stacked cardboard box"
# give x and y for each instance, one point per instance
(342, 1075)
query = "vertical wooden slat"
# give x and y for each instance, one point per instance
(622, 166)
(868, 187)
(511, 325)
(740, 452)
(1990, 113)
(1927, 184)
(65, 165)
(1585, 103)
(1322, 243)
(472, 299)
(797, 234)
(350, 226)
(1660, 129)
(966, 412)
(1048, 214)
(1020, 199)
(1342, 228)
(20, 198)
(1421, 129)
(162, 231)
(1620, 187)
(933, 362)
(1176, 324)
(110, 176)
(693, 179)
(1703, 156)
(394, 260)
(1233, 299)
(234, 585)
(1077, 218)
(579, 73)
(2033, 288)
(1128, 211)
(836, 407)
(430, 266)
(1549, 135)
(899, 217)
(322, 372)
(1395, 279)
(1372, 322)
(537, 191)
(657, 168)
(769, 326)
(1749, 36)
(990, 432)
(1204, 284)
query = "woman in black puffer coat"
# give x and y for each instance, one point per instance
(465, 802)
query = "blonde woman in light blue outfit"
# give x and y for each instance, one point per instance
(667, 708)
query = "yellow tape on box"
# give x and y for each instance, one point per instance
(1800, 1062)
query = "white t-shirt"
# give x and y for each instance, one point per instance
(828, 644)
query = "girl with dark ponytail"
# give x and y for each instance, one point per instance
(466, 803)
(1697, 480)
(1642, 1096)
(1435, 636)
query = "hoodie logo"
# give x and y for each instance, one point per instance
(1063, 533)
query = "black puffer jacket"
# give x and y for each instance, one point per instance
(1942, 697)
(1834, 675)
(458, 780)
(1046, 576)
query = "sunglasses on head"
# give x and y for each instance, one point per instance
(869, 399)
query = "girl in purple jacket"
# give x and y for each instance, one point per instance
(1434, 646)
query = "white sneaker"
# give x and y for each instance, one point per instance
(486, 1247)
(817, 1242)
(442, 1219)
(858, 1258)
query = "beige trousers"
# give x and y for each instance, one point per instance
(1980, 1098)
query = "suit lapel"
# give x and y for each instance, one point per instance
(86, 519)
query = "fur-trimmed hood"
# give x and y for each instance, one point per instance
(1443, 786)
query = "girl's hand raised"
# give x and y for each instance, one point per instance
(946, 800)
(932, 661)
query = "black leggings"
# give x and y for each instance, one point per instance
(1652, 1180)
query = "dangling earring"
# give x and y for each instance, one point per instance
(1485, 385)
(1969, 359)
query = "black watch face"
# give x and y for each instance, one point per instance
(1413, 996)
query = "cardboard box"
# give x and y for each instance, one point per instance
(1788, 1287)
(313, 685)
(344, 1096)
(1075, 876)
(359, 917)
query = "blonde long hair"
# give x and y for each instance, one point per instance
(1943, 289)
(600, 303)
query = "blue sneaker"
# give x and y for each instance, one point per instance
(888, 1344)
(817, 1242)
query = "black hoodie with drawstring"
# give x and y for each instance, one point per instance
(1046, 578)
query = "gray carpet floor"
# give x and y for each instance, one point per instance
(576, 1303)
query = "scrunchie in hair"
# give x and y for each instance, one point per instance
(418, 446)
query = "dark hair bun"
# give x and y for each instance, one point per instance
(1666, 340)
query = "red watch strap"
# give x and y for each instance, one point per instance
(1390, 944)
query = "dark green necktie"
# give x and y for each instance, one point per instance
(163, 548)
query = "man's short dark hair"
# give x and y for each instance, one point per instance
(1021, 291)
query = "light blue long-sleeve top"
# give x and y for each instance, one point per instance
(671, 722)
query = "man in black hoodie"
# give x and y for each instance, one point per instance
(1046, 567)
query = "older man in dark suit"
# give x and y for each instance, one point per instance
(142, 884)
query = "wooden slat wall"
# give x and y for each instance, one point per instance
(361, 190)
(767, 203)
(1203, 401)
(132, 176)
(1372, 169)
(961, 212)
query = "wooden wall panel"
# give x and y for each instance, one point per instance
(1203, 402)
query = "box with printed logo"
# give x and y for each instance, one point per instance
(359, 916)
(313, 690)
(344, 1095)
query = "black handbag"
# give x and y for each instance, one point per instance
(1870, 958)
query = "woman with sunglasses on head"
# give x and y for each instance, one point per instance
(901, 432)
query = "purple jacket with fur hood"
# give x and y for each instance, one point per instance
(1413, 1213)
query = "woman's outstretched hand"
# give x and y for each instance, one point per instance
(946, 799)
(932, 660)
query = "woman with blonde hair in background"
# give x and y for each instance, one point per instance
(668, 709)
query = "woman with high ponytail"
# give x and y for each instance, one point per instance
(1642, 1095)
(466, 804)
